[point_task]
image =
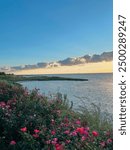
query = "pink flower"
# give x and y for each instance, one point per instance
(23, 129)
(12, 142)
(102, 144)
(48, 142)
(86, 133)
(35, 135)
(78, 122)
(66, 124)
(109, 141)
(55, 139)
(80, 130)
(67, 132)
(59, 147)
(68, 141)
(53, 132)
(2, 104)
(83, 138)
(53, 142)
(74, 133)
(87, 128)
(36, 131)
(95, 133)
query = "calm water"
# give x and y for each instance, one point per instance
(97, 90)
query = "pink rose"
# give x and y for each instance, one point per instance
(23, 129)
(36, 131)
(95, 133)
(12, 142)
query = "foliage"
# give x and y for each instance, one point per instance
(31, 121)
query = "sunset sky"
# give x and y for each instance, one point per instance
(34, 31)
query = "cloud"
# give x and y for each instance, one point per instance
(105, 56)
(95, 58)
(87, 58)
(72, 61)
(41, 65)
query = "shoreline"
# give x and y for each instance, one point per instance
(18, 78)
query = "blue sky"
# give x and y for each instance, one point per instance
(34, 31)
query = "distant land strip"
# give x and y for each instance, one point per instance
(12, 77)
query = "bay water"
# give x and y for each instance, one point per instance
(97, 90)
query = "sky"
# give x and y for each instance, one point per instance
(33, 31)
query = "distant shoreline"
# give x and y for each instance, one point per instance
(65, 74)
(18, 78)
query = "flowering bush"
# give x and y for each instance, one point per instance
(29, 121)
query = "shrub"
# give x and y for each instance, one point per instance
(31, 121)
